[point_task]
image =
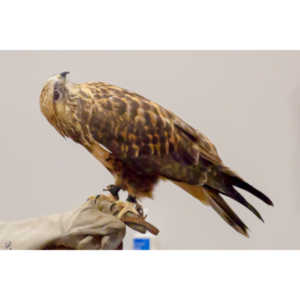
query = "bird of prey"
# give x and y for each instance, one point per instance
(140, 143)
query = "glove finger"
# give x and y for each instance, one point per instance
(102, 225)
(112, 241)
(90, 243)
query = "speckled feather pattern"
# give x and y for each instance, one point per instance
(147, 138)
(142, 141)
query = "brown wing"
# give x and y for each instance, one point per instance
(150, 139)
(206, 148)
(145, 135)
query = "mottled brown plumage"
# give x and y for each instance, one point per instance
(140, 142)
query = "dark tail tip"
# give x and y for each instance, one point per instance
(235, 195)
(249, 188)
(238, 197)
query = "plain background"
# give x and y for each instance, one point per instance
(247, 103)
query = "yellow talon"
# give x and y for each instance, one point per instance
(126, 207)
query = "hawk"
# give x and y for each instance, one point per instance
(140, 143)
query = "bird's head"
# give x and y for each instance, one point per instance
(55, 88)
(52, 96)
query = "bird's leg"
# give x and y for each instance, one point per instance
(131, 205)
(138, 206)
(126, 206)
(114, 190)
(131, 199)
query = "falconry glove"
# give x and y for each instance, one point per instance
(83, 228)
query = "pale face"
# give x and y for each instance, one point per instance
(57, 86)
(53, 91)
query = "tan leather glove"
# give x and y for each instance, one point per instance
(84, 228)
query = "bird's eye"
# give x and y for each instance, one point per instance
(56, 95)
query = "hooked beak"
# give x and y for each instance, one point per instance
(64, 74)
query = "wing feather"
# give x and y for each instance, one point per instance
(147, 135)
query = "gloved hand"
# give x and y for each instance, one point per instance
(89, 228)
(84, 228)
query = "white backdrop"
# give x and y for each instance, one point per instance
(247, 103)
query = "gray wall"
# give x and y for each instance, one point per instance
(247, 103)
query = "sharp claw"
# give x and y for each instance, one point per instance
(140, 210)
(127, 207)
